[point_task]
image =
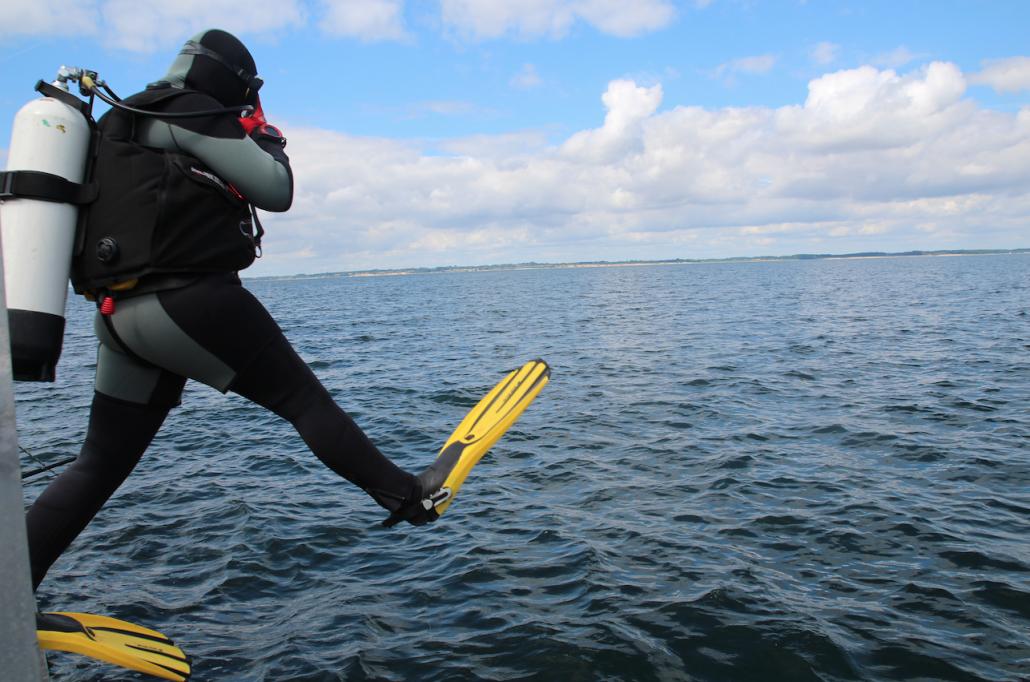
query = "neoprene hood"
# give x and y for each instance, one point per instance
(218, 64)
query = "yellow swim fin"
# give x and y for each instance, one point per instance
(478, 431)
(114, 641)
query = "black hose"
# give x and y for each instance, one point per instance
(108, 90)
(114, 102)
(42, 470)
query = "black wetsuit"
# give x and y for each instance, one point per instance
(206, 327)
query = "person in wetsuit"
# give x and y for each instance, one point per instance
(183, 313)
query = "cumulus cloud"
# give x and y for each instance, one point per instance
(366, 20)
(484, 19)
(502, 146)
(1005, 75)
(870, 159)
(871, 109)
(54, 17)
(145, 25)
(148, 25)
(628, 105)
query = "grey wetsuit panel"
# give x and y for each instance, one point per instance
(143, 325)
(122, 376)
(259, 176)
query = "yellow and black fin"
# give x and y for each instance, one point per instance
(113, 641)
(478, 431)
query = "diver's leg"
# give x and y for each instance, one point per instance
(281, 381)
(118, 434)
(120, 429)
(217, 332)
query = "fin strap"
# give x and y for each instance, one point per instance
(426, 506)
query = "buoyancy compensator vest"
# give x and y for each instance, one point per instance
(157, 211)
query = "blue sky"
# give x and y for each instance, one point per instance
(441, 132)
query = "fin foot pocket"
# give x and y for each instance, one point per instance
(485, 423)
(421, 511)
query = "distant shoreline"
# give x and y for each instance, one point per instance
(387, 272)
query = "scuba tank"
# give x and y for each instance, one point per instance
(39, 193)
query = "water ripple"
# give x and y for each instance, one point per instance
(800, 470)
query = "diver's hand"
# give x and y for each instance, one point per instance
(255, 120)
(259, 129)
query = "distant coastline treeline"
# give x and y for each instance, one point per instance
(671, 261)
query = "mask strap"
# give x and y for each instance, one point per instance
(192, 47)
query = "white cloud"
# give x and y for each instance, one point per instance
(367, 20)
(872, 159)
(149, 25)
(898, 57)
(759, 64)
(872, 109)
(1005, 75)
(504, 147)
(484, 19)
(824, 53)
(441, 107)
(145, 25)
(626, 19)
(755, 65)
(628, 106)
(53, 17)
(527, 78)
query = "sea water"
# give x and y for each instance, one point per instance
(797, 470)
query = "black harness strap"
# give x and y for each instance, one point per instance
(30, 184)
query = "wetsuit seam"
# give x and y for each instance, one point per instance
(133, 403)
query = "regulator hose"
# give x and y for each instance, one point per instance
(115, 101)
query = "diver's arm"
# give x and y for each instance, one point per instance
(259, 170)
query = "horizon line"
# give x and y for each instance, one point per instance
(531, 265)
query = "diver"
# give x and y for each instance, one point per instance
(174, 220)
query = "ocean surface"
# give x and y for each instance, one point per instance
(797, 470)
